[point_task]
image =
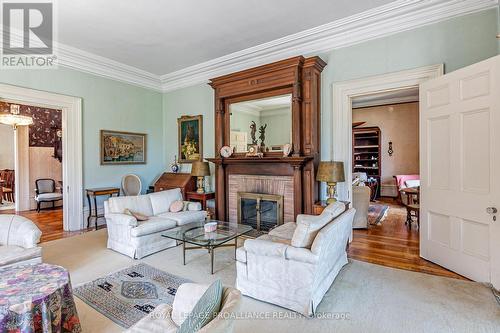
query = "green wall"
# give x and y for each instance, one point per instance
(456, 43)
(107, 104)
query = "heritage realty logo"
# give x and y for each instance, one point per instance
(28, 34)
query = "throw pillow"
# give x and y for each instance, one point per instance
(138, 216)
(176, 206)
(194, 206)
(205, 310)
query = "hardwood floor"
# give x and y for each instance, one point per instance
(49, 221)
(392, 244)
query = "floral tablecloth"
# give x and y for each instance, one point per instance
(37, 298)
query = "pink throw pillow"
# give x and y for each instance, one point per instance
(176, 206)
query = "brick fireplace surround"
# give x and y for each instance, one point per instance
(278, 185)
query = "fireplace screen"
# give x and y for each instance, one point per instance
(260, 211)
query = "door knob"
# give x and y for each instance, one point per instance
(491, 210)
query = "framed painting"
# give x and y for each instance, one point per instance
(122, 148)
(190, 145)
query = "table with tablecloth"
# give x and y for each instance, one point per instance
(37, 298)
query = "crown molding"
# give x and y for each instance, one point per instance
(395, 17)
(80, 60)
(73, 58)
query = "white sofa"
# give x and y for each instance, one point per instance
(138, 239)
(18, 241)
(295, 264)
(167, 319)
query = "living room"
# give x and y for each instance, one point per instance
(207, 165)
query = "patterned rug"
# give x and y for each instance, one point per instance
(377, 213)
(128, 295)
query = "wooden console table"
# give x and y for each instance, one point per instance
(201, 197)
(94, 193)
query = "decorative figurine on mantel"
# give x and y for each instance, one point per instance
(262, 136)
(253, 130)
(175, 167)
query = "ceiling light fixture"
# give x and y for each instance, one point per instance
(15, 119)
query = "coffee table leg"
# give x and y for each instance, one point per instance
(212, 260)
(184, 253)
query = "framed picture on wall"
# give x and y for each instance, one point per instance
(190, 132)
(122, 148)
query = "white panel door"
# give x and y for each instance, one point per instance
(460, 171)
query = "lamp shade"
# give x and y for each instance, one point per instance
(200, 169)
(330, 172)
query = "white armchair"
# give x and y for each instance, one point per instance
(361, 202)
(18, 241)
(296, 263)
(167, 319)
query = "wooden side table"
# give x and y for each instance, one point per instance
(201, 197)
(319, 206)
(94, 193)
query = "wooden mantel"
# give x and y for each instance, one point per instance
(298, 76)
(297, 161)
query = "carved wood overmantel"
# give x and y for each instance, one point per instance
(298, 76)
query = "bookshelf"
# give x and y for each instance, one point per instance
(366, 142)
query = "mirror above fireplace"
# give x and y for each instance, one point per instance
(266, 122)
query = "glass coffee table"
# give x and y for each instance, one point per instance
(194, 233)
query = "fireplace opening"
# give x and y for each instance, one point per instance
(260, 211)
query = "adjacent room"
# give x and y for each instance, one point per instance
(386, 179)
(250, 166)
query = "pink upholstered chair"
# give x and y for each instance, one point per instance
(401, 184)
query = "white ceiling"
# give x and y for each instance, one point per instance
(164, 36)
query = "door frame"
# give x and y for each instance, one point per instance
(345, 91)
(72, 146)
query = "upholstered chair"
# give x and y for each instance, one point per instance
(45, 191)
(296, 263)
(131, 185)
(360, 202)
(164, 318)
(18, 241)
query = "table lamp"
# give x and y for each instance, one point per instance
(331, 172)
(200, 169)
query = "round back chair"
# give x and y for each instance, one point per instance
(131, 185)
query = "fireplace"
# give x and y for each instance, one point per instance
(260, 211)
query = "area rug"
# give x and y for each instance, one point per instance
(377, 213)
(128, 295)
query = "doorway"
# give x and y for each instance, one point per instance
(386, 181)
(361, 91)
(71, 142)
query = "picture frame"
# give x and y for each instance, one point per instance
(190, 138)
(119, 147)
